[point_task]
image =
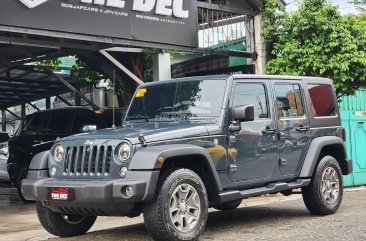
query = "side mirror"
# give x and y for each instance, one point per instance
(243, 113)
(89, 128)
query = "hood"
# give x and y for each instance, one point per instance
(152, 132)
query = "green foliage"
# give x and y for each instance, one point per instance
(83, 72)
(44, 65)
(316, 40)
(360, 4)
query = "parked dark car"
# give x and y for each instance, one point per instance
(38, 131)
(4, 152)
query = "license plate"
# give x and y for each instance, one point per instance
(61, 194)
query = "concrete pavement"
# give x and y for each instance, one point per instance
(272, 217)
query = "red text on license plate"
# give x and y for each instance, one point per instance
(61, 194)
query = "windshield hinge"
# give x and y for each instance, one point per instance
(142, 140)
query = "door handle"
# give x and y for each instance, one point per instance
(268, 131)
(302, 128)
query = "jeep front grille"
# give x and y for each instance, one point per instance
(88, 160)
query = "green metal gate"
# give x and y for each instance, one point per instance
(353, 114)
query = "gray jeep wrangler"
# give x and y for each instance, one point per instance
(194, 143)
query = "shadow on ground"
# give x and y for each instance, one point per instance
(218, 222)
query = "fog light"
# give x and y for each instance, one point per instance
(129, 191)
(123, 172)
(53, 171)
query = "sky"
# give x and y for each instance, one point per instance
(344, 6)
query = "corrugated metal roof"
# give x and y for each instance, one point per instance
(24, 85)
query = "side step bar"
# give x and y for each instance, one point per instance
(270, 188)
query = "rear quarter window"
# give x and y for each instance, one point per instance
(323, 100)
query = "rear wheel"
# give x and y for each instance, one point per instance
(179, 209)
(324, 195)
(228, 205)
(63, 225)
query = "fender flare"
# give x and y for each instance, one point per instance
(315, 147)
(38, 167)
(146, 158)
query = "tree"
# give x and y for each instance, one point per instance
(360, 4)
(316, 40)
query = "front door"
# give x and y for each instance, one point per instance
(293, 126)
(253, 150)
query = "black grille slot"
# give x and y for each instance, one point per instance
(88, 160)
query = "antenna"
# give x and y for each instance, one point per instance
(114, 94)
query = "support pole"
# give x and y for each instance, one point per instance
(121, 67)
(73, 89)
(77, 99)
(3, 120)
(11, 113)
(22, 110)
(27, 101)
(48, 103)
(63, 100)
(162, 67)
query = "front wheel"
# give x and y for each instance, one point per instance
(179, 210)
(324, 195)
(63, 225)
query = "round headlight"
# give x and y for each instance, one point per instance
(124, 152)
(58, 153)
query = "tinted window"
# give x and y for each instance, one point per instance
(59, 123)
(188, 99)
(252, 94)
(36, 124)
(82, 119)
(322, 97)
(289, 100)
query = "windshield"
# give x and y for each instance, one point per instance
(199, 100)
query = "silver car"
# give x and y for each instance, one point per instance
(4, 152)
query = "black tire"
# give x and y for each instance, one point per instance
(22, 174)
(158, 214)
(56, 224)
(316, 196)
(228, 205)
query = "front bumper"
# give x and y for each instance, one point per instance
(96, 197)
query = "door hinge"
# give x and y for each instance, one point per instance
(233, 168)
(282, 162)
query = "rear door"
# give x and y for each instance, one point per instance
(293, 125)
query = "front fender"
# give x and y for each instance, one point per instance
(39, 165)
(146, 158)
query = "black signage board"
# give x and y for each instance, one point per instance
(172, 22)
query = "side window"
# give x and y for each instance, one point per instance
(252, 94)
(322, 97)
(289, 100)
(59, 123)
(81, 120)
(37, 125)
